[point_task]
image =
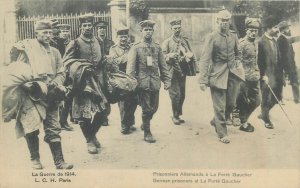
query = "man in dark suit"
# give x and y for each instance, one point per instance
(271, 71)
(287, 56)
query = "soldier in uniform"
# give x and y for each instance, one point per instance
(249, 97)
(83, 62)
(46, 69)
(271, 71)
(146, 62)
(174, 49)
(65, 108)
(287, 59)
(105, 42)
(221, 70)
(128, 106)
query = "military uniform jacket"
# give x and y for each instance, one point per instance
(119, 54)
(170, 45)
(220, 55)
(268, 61)
(82, 50)
(106, 44)
(147, 64)
(249, 59)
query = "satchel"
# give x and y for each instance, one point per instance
(120, 85)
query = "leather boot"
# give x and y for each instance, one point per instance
(96, 127)
(33, 146)
(91, 147)
(58, 157)
(147, 133)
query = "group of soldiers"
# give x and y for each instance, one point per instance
(74, 71)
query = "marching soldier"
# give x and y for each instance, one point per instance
(101, 36)
(249, 97)
(83, 62)
(47, 73)
(128, 106)
(146, 62)
(105, 44)
(221, 70)
(65, 108)
(175, 49)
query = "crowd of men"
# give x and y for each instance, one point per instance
(70, 77)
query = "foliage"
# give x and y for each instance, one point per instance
(139, 9)
(281, 10)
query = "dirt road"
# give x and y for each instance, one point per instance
(193, 145)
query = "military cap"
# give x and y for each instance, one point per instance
(252, 23)
(147, 23)
(123, 31)
(175, 22)
(86, 18)
(224, 14)
(54, 23)
(101, 24)
(42, 24)
(283, 25)
(64, 26)
(269, 22)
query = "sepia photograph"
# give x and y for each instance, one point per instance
(150, 93)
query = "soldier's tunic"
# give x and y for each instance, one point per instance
(178, 77)
(106, 44)
(222, 71)
(249, 97)
(46, 65)
(84, 106)
(147, 64)
(128, 106)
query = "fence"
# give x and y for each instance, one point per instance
(25, 25)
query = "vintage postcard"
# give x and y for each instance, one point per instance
(150, 93)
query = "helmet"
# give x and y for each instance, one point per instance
(224, 14)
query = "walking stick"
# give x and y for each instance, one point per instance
(279, 104)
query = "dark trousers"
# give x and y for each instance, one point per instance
(248, 99)
(177, 93)
(127, 109)
(268, 99)
(224, 101)
(64, 111)
(149, 101)
(293, 77)
(51, 124)
(90, 129)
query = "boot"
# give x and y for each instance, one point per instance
(66, 126)
(96, 142)
(91, 146)
(58, 157)
(33, 146)
(147, 133)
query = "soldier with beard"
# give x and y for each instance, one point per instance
(175, 49)
(287, 59)
(128, 106)
(249, 97)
